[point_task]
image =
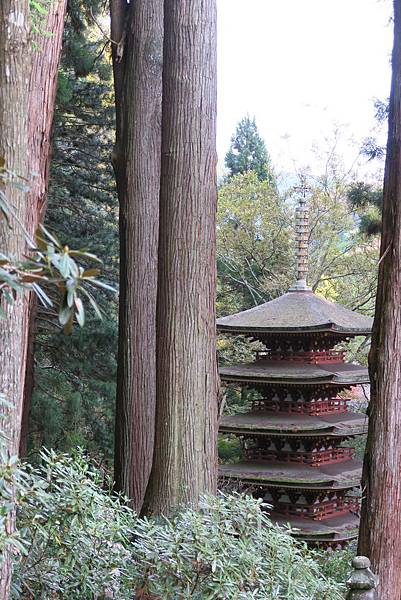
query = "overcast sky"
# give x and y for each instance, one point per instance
(301, 67)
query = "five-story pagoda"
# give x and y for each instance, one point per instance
(293, 437)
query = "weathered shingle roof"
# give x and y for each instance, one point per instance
(295, 475)
(260, 422)
(297, 311)
(341, 527)
(293, 373)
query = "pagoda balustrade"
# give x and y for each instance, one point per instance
(317, 508)
(311, 407)
(314, 458)
(312, 357)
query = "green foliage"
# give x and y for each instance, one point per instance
(227, 549)
(248, 152)
(49, 264)
(74, 394)
(229, 447)
(73, 401)
(82, 48)
(343, 263)
(255, 233)
(254, 250)
(82, 541)
(368, 202)
(337, 565)
(76, 534)
(14, 486)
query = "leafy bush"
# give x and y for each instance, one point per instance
(79, 534)
(228, 549)
(82, 542)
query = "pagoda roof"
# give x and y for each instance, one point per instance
(339, 528)
(336, 476)
(300, 425)
(298, 373)
(296, 312)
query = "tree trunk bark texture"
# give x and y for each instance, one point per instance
(14, 76)
(137, 167)
(185, 458)
(380, 532)
(42, 98)
(29, 376)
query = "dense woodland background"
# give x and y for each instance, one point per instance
(74, 392)
(75, 531)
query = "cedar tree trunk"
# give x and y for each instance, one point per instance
(14, 75)
(380, 533)
(185, 459)
(42, 97)
(138, 86)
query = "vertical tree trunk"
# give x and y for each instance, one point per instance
(185, 445)
(42, 97)
(14, 74)
(380, 533)
(137, 167)
(29, 376)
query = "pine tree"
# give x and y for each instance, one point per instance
(42, 93)
(136, 161)
(367, 201)
(380, 530)
(185, 456)
(15, 63)
(248, 152)
(74, 376)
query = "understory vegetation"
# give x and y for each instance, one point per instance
(74, 534)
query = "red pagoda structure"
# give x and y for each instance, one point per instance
(294, 455)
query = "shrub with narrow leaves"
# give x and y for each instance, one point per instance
(228, 549)
(78, 541)
(78, 533)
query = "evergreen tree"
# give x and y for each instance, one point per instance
(248, 152)
(380, 528)
(367, 201)
(136, 161)
(74, 391)
(185, 455)
(14, 51)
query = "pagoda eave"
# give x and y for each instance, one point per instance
(297, 312)
(333, 476)
(291, 373)
(338, 528)
(300, 435)
(296, 331)
(299, 425)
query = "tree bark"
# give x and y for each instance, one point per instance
(137, 168)
(42, 98)
(14, 75)
(185, 459)
(29, 376)
(380, 531)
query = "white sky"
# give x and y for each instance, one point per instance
(301, 67)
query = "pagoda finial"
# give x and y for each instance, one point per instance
(301, 238)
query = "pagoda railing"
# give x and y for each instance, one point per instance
(310, 357)
(319, 512)
(312, 408)
(312, 459)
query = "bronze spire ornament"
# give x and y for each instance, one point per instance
(302, 239)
